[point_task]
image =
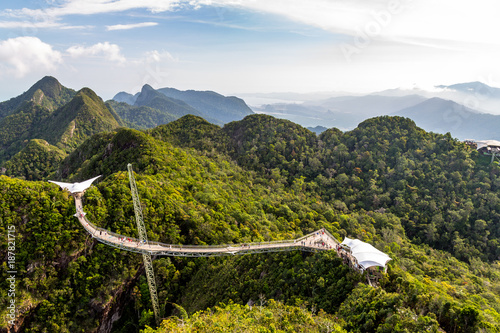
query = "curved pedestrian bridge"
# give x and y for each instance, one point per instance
(320, 240)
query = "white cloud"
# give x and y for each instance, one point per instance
(34, 25)
(396, 20)
(445, 20)
(89, 7)
(50, 16)
(130, 26)
(422, 41)
(75, 27)
(106, 50)
(28, 24)
(23, 55)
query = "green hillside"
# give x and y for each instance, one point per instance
(444, 192)
(38, 160)
(202, 135)
(85, 115)
(426, 200)
(274, 317)
(16, 129)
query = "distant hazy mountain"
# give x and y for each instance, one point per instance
(472, 100)
(344, 112)
(154, 99)
(150, 108)
(475, 95)
(371, 105)
(442, 116)
(126, 97)
(354, 109)
(318, 129)
(305, 115)
(258, 99)
(476, 88)
(210, 105)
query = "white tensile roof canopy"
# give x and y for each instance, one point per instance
(487, 143)
(75, 187)
(366, 254)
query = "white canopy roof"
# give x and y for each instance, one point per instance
(75, 187)
(366, 254)
(486, 143)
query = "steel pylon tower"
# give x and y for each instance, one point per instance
(141, 229)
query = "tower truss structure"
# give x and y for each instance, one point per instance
(143, 238)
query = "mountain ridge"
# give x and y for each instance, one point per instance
(210, 105)
(65, 127)
(85, 115)
(47, 92)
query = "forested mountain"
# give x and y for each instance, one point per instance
(387, 163)
(70, 125)
(172, 103)
(47, 93)
(38, 160)
(18, 127)
(40, 131)
(202, 135)
(20, 116)
(427, 200)
(140, 117)
(64, 118)
(65, 127)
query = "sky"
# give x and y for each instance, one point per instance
(248, 46)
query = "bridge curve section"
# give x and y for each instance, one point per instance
(320, 240)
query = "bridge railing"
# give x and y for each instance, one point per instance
(97, 233)
(265, 243)
(332, 236)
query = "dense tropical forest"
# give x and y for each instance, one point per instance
(429, 201)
